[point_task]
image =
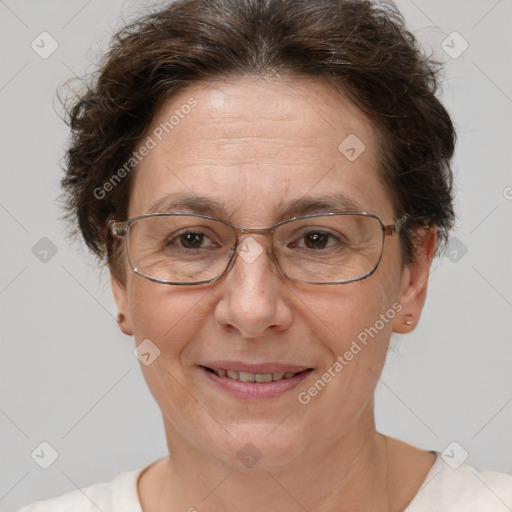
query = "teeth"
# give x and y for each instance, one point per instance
(263, 377)
(254, 377)
(247, 377)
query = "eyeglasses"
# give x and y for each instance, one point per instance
(184, 249)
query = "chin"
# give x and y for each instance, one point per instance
(262, 447)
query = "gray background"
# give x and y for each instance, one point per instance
(68, 375)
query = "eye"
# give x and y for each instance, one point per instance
(191, 239)
(318, 240)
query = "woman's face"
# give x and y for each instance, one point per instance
(254, 146)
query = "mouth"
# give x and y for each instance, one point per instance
(254, 382)
(253, 377)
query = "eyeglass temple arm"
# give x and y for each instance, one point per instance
(117, 228)
(394, 228)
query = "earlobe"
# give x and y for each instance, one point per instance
(121, 300)
(414, 283)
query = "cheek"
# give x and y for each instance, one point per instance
(342, 315)
(167, 316)
(354, 326)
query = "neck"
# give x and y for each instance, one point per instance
(351, 472)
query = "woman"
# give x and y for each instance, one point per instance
(269, 182)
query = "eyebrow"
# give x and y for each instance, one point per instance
(335, 203)
(188, 203)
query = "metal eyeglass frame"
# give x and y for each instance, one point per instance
(121, 230)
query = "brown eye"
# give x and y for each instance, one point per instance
(316, 240)
(191, 240)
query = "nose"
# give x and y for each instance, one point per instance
(254, 297)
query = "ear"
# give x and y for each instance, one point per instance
(413, 283)
(123, 311)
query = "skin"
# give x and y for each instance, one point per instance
(251, 144)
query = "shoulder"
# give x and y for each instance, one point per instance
(118, 495)
(462, 489)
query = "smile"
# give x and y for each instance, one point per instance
(254, 382)
(253, 377)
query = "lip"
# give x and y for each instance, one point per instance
(238, 366)
(255, 391)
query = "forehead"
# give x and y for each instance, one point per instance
(252, 143)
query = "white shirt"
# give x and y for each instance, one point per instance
(444, 490)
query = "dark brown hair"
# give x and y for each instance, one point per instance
(359, 46)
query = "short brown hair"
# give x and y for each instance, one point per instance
(359, 46)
